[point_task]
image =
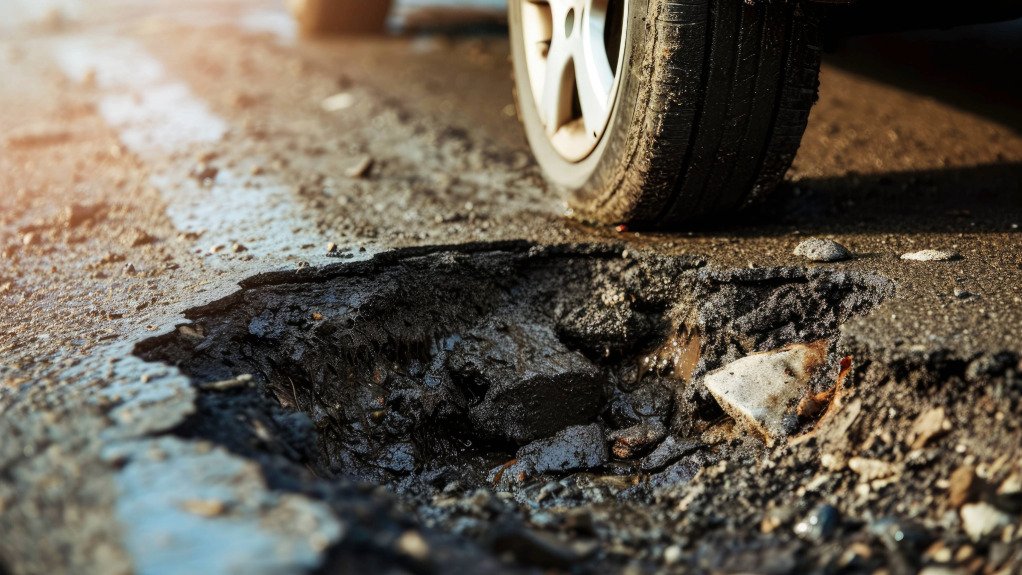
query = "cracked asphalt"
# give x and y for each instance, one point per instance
(153, 156)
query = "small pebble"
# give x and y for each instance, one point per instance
(413, 545)
(961, 485)
(205, 507)
(338, 102)
(931, 256)
(1012, 485)
(228, 384)
(822, 250)
(361, 169)
(897, 534)
(672, 555)
(980, 520)
(819, 524)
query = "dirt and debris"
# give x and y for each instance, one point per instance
(508, 372)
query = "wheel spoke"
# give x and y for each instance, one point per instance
(593, 74)
(558, 84)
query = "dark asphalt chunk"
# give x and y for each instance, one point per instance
(576, 448)
(668, 452)
(523, 383)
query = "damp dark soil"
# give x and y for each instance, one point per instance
(501, 392)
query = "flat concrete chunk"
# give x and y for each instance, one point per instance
(762, 390)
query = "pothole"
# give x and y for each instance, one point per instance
(548, 378)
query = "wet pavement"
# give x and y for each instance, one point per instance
(417, 312)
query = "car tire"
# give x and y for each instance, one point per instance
(709, 104)
(325, 17)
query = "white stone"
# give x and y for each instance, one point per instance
(338, 102)
(982, 519)
(931, 256)
(672, 555)
(763, 389)
(1012, 485)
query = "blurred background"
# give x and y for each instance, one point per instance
(976, 67)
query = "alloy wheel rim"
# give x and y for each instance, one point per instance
(573, 50)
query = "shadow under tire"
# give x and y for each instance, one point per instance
(711, 103)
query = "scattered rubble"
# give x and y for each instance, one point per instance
(873, 469)
(412, 544)
(494, 387)
(669, 451)
(962, 293)
(819, 524)
(637, 439)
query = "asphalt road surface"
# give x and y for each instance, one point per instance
(394, 241)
